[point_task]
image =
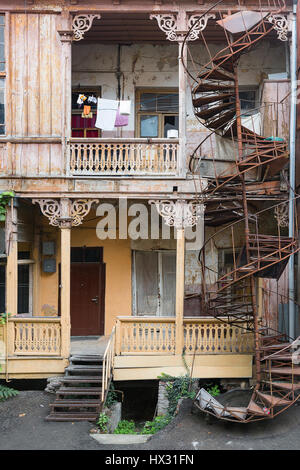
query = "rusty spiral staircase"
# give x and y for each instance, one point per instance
(216, 102)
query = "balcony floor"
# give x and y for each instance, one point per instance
(88, 345)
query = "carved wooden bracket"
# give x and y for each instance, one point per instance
(81, 24)
(175, 31)
(65, 213)
(179, 214)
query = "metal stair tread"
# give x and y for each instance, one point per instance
(284, 370)
(284, 385)
(271, 400)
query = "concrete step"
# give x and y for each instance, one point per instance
(80, 416)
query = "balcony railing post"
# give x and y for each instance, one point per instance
(179, 291)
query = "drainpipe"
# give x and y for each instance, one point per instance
(292, 308)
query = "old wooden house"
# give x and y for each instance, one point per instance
(66, 65)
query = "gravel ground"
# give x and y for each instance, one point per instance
(23, 427)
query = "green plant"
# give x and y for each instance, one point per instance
(176, 388)
(4, 318)
(214, 391)
(111, 396)
(102, 422)
(7, 392)
(125, 427)
(151, 427)
(5, 197)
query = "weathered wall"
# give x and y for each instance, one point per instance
(34, 94)
(145, 65)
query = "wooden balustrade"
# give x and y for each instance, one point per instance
(108, 364)
(123, 157)
(145, 335)
(34, 336)
(155, 335)
(215, 337)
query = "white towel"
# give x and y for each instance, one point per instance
(106, 114)
(125, 107)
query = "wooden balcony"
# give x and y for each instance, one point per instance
(140, 348)
(146, 348)
(123, 157)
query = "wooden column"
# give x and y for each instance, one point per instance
(36, 266)
(65, 233)
(65, 224)
(181, 165)
(11, 231)
(179, 291)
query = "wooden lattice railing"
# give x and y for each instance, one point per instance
(157, 335)
(34, 336)
(123, 157)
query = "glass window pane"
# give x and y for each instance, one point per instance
(149, 126)
(23, 288)
(2, 289)
(148, 102)
(146, 266)
(170, 123)
(2, 56)
(2, 19)
(168, 103)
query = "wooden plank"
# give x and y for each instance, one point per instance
(65, 290)
(45, 75)
(33, 33)
(179, 291)
(233, 369)
(224, 360)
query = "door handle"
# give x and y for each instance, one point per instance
(95, 299)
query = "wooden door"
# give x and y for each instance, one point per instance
(87, 299)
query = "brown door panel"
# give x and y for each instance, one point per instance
(87, 299)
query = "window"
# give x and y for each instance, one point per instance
(87, 254)
(154, 283)
(24, 284)
(2, 76)
(157, 113)
(249, 99)
(84, 127)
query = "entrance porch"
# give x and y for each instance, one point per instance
(141, 340)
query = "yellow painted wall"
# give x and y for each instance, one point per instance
(116, 256)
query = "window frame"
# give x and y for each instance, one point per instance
(95, 90)
(138, 112)
(160, 281)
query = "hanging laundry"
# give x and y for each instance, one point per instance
(87, 111)
(92, 99)
(81, 99)
(125, 107)
(106, 114)
(121, 120)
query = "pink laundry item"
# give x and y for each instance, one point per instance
(121, 120)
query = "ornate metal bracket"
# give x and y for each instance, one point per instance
(179, 214)
(60, 217)
(81, 24)
(168, 23)
(281, 25)
(281, 214)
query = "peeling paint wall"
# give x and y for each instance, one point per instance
(156, 66)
